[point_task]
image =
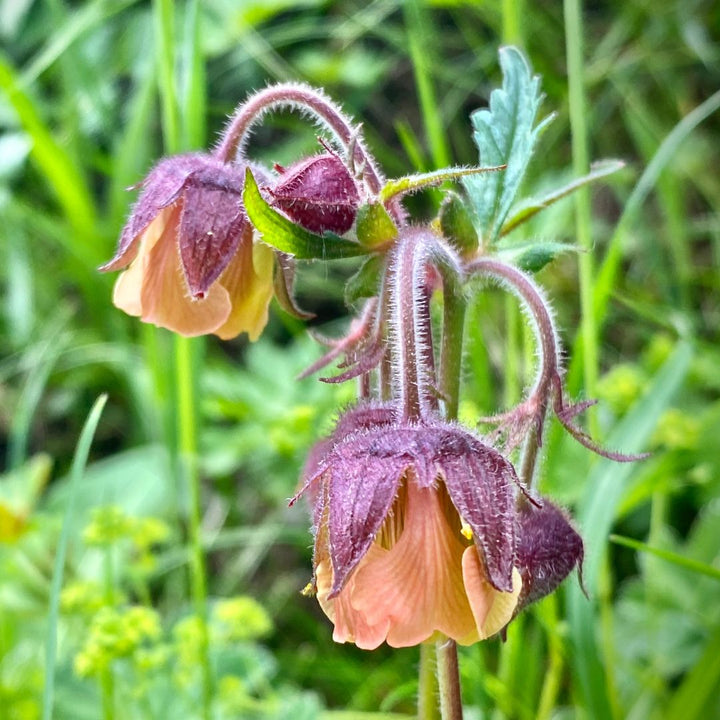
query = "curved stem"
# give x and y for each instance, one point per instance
(308, 100)
(532, 297)
(452, 343)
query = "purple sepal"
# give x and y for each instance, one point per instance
(480, 482)
(212, 222)
(363, 469)
(548, 549)
(160, 188)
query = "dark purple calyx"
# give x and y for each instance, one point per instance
(318, 193)
(363, 469)
(160, 188)
(212, 220)
(548, 548)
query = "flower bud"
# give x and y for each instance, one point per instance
(318, 194)
(548, 548)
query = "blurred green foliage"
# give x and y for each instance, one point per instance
(80, 121)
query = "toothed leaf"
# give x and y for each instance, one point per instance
(419, 181)
(504, 134)
(534, 256)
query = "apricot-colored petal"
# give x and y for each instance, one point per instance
(165, 299)
(128, 287)
(349, 625)
(248, 280)
(417, 585)
(491, 608)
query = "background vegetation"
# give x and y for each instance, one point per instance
(96, 616)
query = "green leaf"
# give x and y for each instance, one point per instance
(504, 135)
(374, 226)
(78, 469)
(672, 557)
(528, 209)
(284, 235)
(365, 282)
(456, 224)
(699, 685)
(419, 181)
(533, 256)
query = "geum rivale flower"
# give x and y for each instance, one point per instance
(193, 265)
(415, 531)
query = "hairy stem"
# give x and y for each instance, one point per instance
(405, 292)
(306, 99)
(531, 296)
(428, 708)
(452, 345)
(449, 680)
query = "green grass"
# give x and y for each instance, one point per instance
(90, 97)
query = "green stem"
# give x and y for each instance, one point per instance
(581, 165)
(449, 680)
(427, 684)
(452, 344)
(187, 441)
(553, 676)
(107, 691)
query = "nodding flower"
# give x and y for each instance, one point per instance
(192, 265)
(415, 531)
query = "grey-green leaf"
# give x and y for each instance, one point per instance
(505, 135)
(284, 235)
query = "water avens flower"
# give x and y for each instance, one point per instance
(414, 529)
(192, 264)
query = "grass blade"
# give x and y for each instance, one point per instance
(78, 467)
(675, 558)
(604, 490)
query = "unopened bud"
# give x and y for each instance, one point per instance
(318, 194)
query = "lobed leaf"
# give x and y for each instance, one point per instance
(505, 135)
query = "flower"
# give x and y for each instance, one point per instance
(415, 531)
(193, 265)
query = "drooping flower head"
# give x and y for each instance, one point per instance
(415, 531)
(193, 265)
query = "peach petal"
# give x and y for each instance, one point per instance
(165, 299)
(418, 584)
(349, 625)
(128, 287)
(248, 280)
(492, 609)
